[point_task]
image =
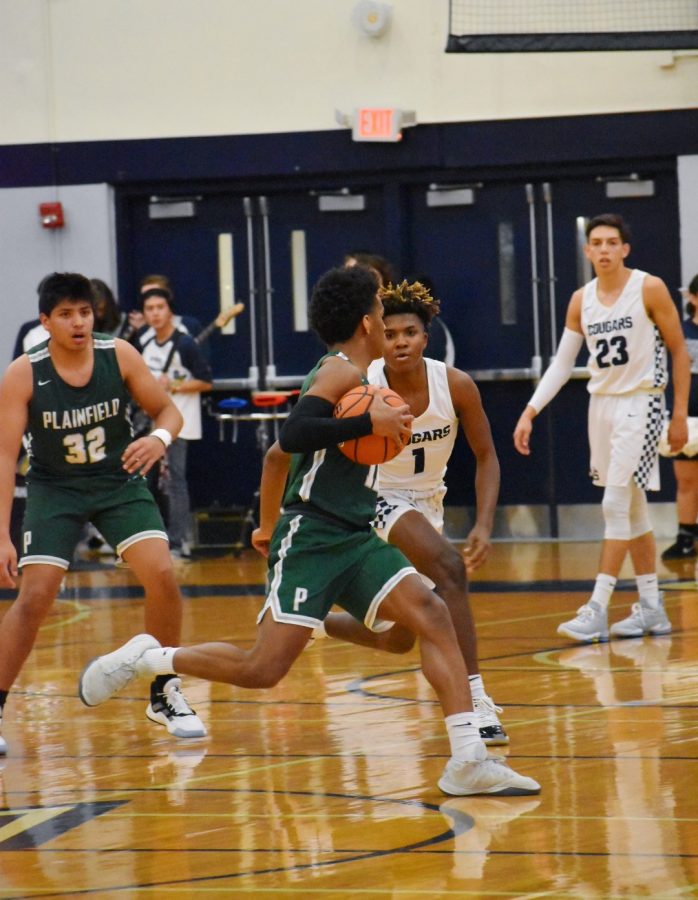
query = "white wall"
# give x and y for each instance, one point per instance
(28, 251)
(688, 212)
(102, 69)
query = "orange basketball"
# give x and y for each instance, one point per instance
(373, 449)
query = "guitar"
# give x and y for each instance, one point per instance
(142, 424)
(220, 321)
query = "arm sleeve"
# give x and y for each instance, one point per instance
(312, 426)
(558, 372)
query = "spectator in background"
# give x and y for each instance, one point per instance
(188, 324)
(29, 335)
(380, 266)
(686, 467)
(179, 364)
(109, 319)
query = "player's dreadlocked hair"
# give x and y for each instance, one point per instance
(410, 298)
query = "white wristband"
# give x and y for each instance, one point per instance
(162, 434)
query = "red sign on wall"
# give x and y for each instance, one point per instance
(371, 124)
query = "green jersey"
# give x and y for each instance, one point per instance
(77, 431)
(330, 482)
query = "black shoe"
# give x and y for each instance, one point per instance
(680, 550)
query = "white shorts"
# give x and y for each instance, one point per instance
(624, 432)
(392, 505)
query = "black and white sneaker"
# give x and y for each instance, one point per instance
(491, 730)
(3, 742)
(170, 708)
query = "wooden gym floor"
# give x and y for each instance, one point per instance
(326, 786)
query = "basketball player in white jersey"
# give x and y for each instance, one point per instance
(411, 487)
(628, 320)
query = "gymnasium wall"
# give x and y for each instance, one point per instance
(28, 252)
(80, 70)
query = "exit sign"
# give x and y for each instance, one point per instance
(372, 124)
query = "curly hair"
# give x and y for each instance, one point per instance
(340, 300)
(410, 298)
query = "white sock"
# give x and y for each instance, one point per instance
(477, 687)
(603, 588)
(648, 589)
(159, 661)
(464, 737)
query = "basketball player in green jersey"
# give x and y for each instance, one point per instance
(70, 394)
(323, 550)
(411, 487)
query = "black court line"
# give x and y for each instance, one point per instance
(358, 857)
(127, 592)
(461, 824)
(238, 757)
(163, 789)
(135, 591)
(356, 687)
(369, 695)
(547, 853)
(73, 816)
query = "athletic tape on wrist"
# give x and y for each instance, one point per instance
(162, 434)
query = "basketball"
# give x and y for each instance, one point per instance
(373, 449)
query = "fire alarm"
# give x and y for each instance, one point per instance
(51, 215)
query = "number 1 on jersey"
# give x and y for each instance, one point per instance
(418, 453)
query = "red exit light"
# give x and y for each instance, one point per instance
(372, 124)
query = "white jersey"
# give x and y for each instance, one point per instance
(34, 337)
(184, 365)
(421, 466)
(627, 352)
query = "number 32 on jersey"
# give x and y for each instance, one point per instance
(85, 448)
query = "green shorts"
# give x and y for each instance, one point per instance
(314, 564)
(123, 511)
